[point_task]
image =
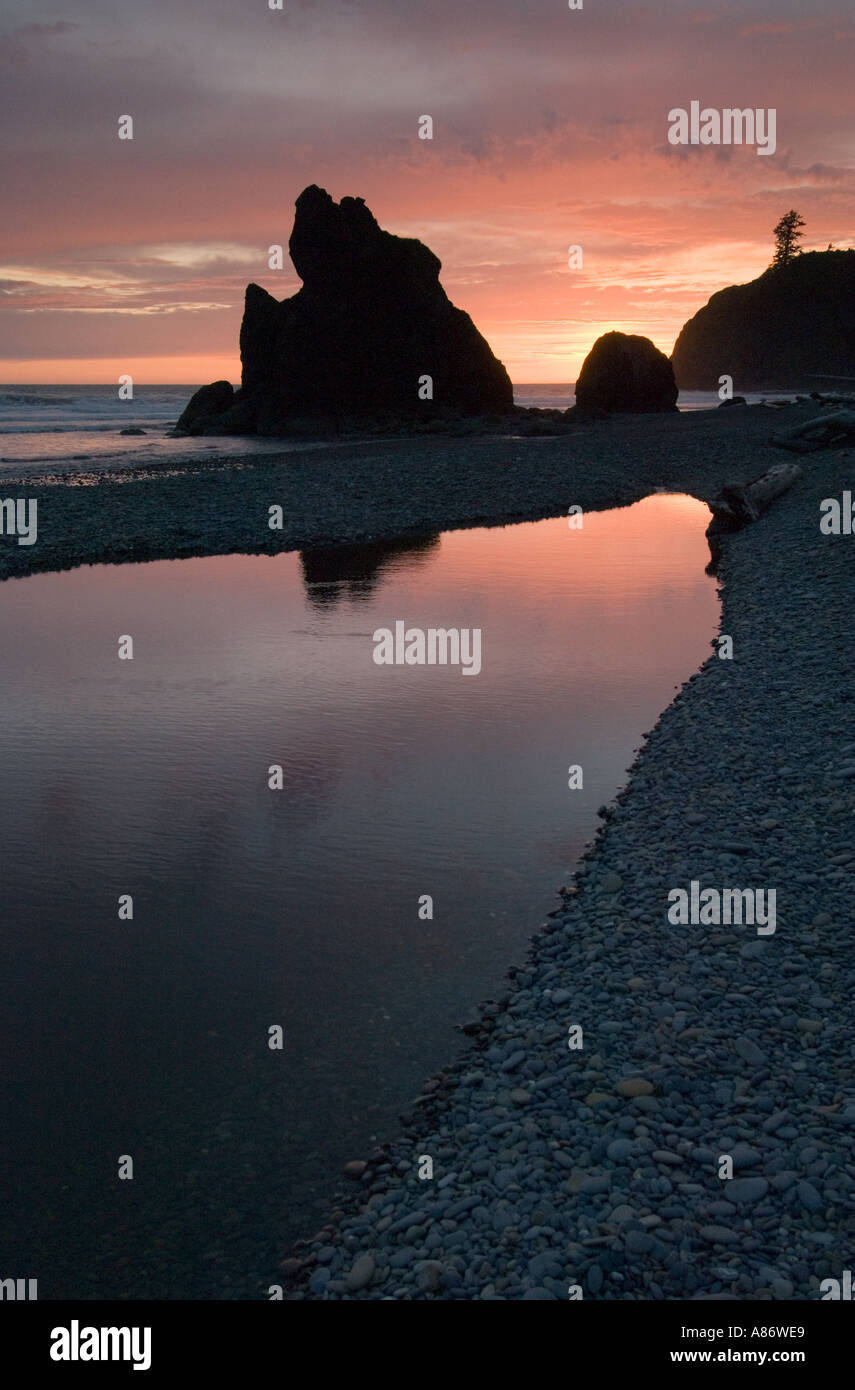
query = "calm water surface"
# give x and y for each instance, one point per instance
(255, 908)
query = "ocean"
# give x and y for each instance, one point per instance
(48, 429)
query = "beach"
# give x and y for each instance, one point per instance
(338, 493)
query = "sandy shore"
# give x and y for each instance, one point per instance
(392, 487)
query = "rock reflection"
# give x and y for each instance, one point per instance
(333, 572)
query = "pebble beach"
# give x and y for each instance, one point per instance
(593, 1172)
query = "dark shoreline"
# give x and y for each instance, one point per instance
(357, 492)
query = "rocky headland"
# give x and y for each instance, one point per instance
(792, 327)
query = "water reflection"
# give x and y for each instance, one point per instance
(332, 572)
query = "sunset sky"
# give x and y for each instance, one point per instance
(550, 129)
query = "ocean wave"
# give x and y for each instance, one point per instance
(44, 458)
(26, 429)
(77, 427)
(23, 398)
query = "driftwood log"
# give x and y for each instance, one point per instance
(738, 505)
(823, 432)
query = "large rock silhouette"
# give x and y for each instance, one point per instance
(353, 347)
(625, 372)
(791, 328)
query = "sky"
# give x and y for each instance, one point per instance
(550, 130)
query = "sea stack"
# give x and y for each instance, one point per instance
(793, 328)
(624, 372)
(370, 340)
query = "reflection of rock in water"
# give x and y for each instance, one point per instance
(331, 572)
